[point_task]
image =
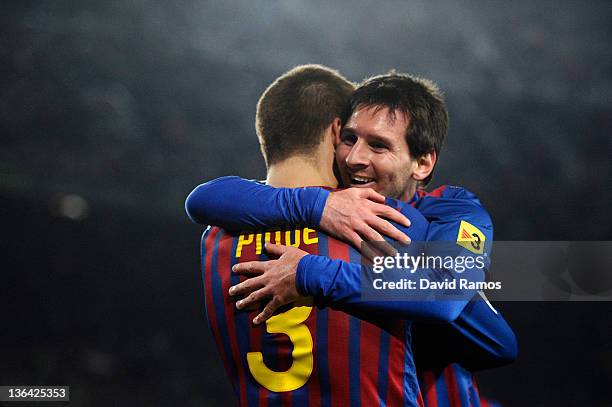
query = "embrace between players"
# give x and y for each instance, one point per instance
(282, 270)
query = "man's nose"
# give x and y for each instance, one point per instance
(359, 156)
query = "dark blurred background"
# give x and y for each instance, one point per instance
(112, 111)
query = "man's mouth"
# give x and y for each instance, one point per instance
(360, 181)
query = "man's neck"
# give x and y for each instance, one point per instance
(408, 193)
(300, 171)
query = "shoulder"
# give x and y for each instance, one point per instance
(418, 222)
(452, 203)
(448, 192)
(449, 198)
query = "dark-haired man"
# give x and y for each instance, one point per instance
(374, 150)
(326, 356)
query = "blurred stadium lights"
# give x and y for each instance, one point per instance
(151, 98)
(70, 206)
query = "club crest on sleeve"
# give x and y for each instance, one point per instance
(470, 237)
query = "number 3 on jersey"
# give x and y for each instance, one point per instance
(290, 323)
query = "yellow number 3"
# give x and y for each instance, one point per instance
(292, 324)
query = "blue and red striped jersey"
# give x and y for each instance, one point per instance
(305, 355)
(481, 336)
(447, 384)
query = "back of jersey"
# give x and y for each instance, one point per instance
(304, 355)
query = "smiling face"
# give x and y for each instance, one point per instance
(372, 152)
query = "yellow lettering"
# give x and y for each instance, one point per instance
(292, 324)
(243, 241)
(308, 239)
(292, 238)
(296, 243)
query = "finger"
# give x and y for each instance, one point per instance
(376, 242)
(267, 312)
(387, 229)
(250, 267)
(372, 195)
(387, 212)
(369, 250)
(386, 249)
(246, 287)
(276, 249)
(254, 297)
(368, 234)
(368, 253)
(354, 239)
(252, 307)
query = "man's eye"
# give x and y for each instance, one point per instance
(378, 146)
(349, 139)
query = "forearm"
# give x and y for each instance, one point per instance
(235, 203)
(491, 341)
(340, 283)
(478, 339)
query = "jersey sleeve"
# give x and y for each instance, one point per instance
(234, 203)
(459, 219)
(490, 340)
(458, 227)
(340, 283)
(479, 338)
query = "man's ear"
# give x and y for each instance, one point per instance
(336, 127)
(425, 165)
